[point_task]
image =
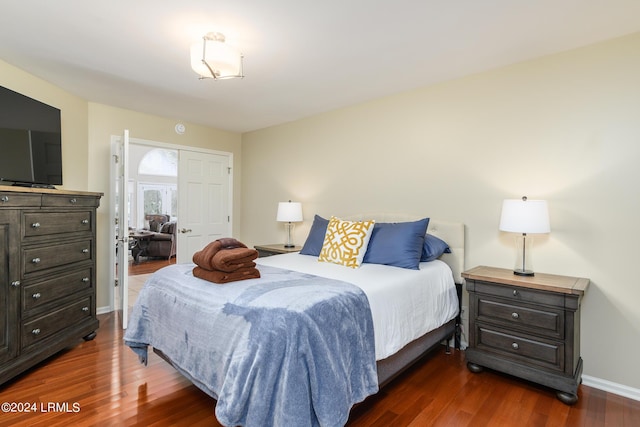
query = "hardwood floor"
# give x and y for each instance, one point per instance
(100, 382)
(148, 265)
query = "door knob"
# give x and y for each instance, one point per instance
(185, 230)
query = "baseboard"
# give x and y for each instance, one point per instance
(611, 387)
(103, 310)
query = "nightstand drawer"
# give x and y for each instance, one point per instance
(520, 348)
(513, 294)
(541, 320)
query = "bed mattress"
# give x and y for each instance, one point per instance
(405, 304)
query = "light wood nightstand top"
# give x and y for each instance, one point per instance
(542, 281)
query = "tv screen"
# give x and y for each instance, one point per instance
(30, 141)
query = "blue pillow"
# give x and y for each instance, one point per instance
(433, 248)
(315, 239)
(398, 244)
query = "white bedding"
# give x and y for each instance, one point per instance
(405, 304)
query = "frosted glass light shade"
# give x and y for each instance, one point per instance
(211, 57)
(525, 216)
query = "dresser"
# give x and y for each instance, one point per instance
(47, 274)
(526, 326)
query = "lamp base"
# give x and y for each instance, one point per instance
(520, 272)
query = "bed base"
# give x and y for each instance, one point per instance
(394, 365)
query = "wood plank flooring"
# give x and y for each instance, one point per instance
(101, 383)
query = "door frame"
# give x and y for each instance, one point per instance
(112, 219)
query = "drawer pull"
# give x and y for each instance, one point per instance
(85, 279)
(515, 293)
(35, 331)
(73, 201)
(515, 346)
(85, 221)
(35, 225)
(515, 315)
(85, 251)
(15, 283)
(5, 199)
(36, 295)
(35, 260)
(85, 309)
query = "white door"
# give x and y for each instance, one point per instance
(121, 216)
(204, 208)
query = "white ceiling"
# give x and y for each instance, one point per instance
(302, 57)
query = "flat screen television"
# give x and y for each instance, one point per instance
(30, 141)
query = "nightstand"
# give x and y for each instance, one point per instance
(268, 250)
(526, 326)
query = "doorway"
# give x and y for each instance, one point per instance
(154, 187)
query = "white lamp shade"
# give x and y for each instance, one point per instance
(525, 216)
(289, 212)
(224, 60)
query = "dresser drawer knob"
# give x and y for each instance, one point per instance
(4, 199)
(515, 293)
(36, 295)
(85, 221)
(85, 251)
(15, 283)
(35, 260)
(73, 201)
(515, 315)
(35, 225)
(85, 279)
(35, 331)
(85, 309)
(515, 346)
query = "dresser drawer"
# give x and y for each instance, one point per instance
(542, 320)
(48, 291)
(47, 223)
(525, 349)
(65, 201)
(56, 320)
(43, 257)
(14, 200)
(520, 294)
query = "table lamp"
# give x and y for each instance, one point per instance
(527, 217)
(289, 212)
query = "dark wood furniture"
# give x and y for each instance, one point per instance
(47, 274)
(139, 242)
(268, 250)
(528, 327)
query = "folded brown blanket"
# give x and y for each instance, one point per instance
(203, 257)
(230, 260)
(217, 276)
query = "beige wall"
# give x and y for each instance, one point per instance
(565, 128)
(73, 117)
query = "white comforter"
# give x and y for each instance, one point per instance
(405, 304)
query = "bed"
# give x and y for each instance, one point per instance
(306, 341)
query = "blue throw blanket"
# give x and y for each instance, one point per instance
(288, 349)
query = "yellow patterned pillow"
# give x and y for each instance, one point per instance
(345, 242)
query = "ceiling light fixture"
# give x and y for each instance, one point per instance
(212, 58)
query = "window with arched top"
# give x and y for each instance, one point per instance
(160, 162)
